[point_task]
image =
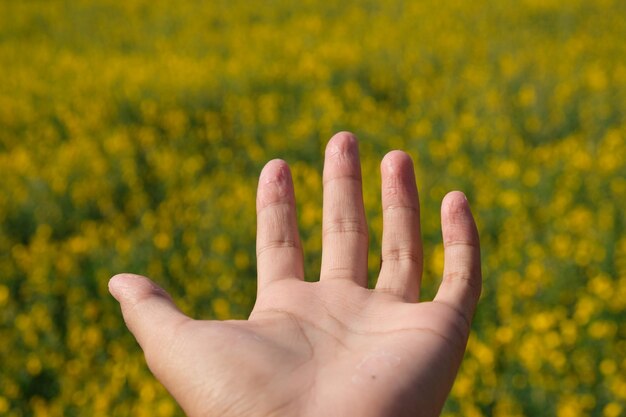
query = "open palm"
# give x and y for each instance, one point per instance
(332, 347)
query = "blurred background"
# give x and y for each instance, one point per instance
(132, 134)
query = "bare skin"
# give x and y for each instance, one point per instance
(331, 347)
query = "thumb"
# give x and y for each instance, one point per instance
(148, 310)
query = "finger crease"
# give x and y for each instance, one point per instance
(278, 244)
(275, 204)
(400, 255)
(460, 243)
(465, 278)
(345, 226)
(392, 207)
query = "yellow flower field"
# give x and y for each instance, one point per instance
(132, 134)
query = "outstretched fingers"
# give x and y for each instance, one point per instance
(462, 280)
(401, 268)
(279, 252)
(344, 235)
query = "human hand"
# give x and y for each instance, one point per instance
(331, 347)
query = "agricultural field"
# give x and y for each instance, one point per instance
(132, 134)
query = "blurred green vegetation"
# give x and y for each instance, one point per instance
(132, 134)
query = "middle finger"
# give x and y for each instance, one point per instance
(344, 235)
